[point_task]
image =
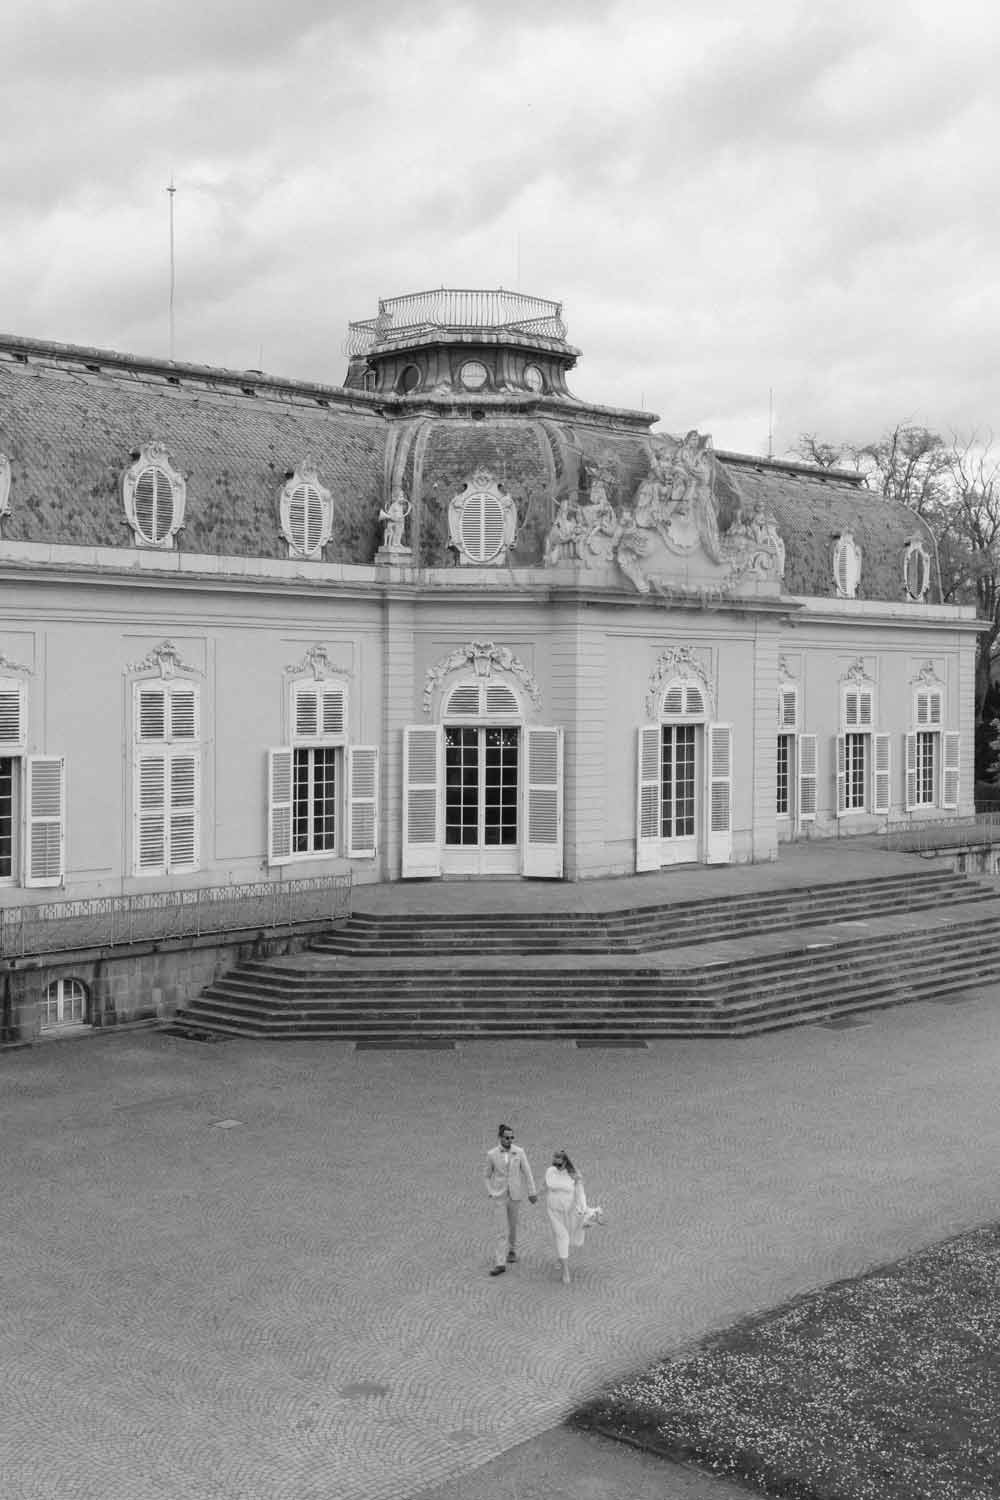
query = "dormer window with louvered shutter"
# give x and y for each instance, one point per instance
(154, 495)
(482, 522)
(846, 566)
(166, 778)
(306, 510)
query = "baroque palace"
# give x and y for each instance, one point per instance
(445, 620)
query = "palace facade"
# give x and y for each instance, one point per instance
(444, 620)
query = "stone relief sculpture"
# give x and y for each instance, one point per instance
(672, 518)
(393, 518)
(485, 657)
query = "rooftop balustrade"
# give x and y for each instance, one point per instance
(456, 310)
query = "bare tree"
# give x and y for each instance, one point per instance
(813, 451)
(974, 534)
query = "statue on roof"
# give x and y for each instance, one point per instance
(393, 517)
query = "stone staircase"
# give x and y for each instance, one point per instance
(722, 966)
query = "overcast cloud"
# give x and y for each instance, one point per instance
(726, 198)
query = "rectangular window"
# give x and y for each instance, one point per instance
(926, 768)
(856, 771)
(678, 782)
(166, 776)
(461, 778)
(8, 817)
(784, 805)
(314, 800)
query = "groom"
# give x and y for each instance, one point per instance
(507, 1175)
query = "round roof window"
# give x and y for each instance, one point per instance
(409, 379)
(473, 375)
(533, 378)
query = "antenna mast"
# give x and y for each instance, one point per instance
(770, 421)
(171, 190)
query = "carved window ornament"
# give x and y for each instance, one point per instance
(679, 686)
(857, 699)
(4, 485)
(305, 509)
(154, 494)
(928, 698)
(163, 661)
(846, 566)
(317, 664)
(482, 522)
(488, 660)
(916, 569)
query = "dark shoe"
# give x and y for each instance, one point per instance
(511, 1257)
(498, 1270)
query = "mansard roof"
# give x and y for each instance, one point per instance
(72, 418)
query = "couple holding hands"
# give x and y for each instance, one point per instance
(509, 1181)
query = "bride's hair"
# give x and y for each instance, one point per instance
(567, 1164)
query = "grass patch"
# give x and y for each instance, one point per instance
(885, 1387)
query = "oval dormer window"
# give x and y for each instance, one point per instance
(154, 504)
(154, 494)
(473, 375)
(534, 379)
(916, 569)
(305, 509)
(846, 566)
(408, 380)
(482, 527)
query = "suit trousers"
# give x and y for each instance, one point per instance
(505, 1211)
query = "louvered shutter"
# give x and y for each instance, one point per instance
(910, 763)
(182, 825)
(12, 715)
(840, 750)
(154, 504)
(949, 778)
(150, 851)
(934, 709)
(648, 853)
(334, 715)
(693, 702)
(788, 708)
(807, 778)
(719, 844)
(362, 801)
(883, 783)
(865, 709)
(500, 700)
(422, 800)
(279, 806)
(852, 712)
(463, 701)
(184, 713)
(307, 712)
(46, 820)
(673, 702)
(151, 713)
(542, 849)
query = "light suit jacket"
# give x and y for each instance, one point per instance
(517, 1180)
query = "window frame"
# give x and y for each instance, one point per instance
(305, 478)
(177, 749)
(152, 458)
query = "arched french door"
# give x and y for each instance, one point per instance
(482, 790)
(684, 784)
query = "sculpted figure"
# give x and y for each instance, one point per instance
(394, 517)
(598, 522)
(561, 542)
(633, 544)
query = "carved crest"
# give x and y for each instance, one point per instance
(6, 665)
(856, 673)
(486, 658)
(678, 664)
(927, 677)
(317, 661)
(165, 659)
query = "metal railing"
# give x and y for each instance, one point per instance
(157, 916)
(982, 830)
(456, 308)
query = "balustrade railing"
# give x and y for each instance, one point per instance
(156, 916)
(983, 829)
(457, 308)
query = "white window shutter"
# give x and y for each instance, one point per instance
(150, 823)
(949, 776)
(851, 708)
(542, 817)
(182, 827)
(883, 783)
(910, 762)
(150, 712)
(807, 778)
(184, 713)
(923, 714)
(45, 861)
(334, 711)
(840, 751)
(306, 714)
(422, 800)
(719, 844)
(647, 800)
(279, 806)
(362, 801)
(865, 704)
(935, 708)
(13, 728)
(788, 708)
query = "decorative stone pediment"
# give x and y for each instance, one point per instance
(486, 659)
(482, 521)
(317, 664)
(165, 659)
(856, 675)
(927, 677)
(678, 664)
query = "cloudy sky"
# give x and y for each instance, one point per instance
(728, 198)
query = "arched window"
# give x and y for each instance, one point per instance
(306, 511)
(65, 1004)
(154, 494)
